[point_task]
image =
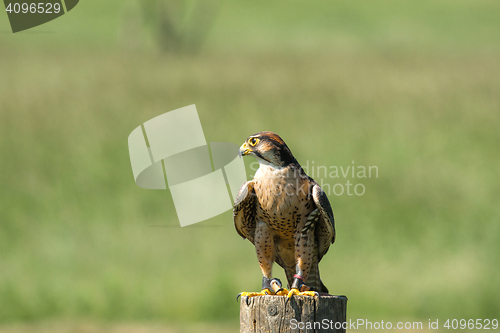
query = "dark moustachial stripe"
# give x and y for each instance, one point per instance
(272, 141)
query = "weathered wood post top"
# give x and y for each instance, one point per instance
(272, 314)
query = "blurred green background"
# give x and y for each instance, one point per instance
(410, 87)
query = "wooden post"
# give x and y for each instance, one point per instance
(270, 314)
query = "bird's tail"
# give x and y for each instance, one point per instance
(290, 272)
(314, 281)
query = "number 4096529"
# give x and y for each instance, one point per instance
(40, 8)
(471, 324)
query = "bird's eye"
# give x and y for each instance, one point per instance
(254, 141)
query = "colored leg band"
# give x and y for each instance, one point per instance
(266, 283)
(297, 283)
(276, 284)
(277, 281)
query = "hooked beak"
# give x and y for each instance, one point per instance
(244, 150)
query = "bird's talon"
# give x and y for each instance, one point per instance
(248, 295)
(282, 292)
(296, 292)
(292, 292)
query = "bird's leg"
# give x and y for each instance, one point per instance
(264, 246)
(267, 289)
(300, 288)
(304, 250)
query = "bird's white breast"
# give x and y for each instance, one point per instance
(282, 196)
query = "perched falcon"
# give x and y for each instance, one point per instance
(286, 215)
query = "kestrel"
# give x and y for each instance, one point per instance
(286, 215)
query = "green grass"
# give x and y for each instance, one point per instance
(424, 26)
(80, 241)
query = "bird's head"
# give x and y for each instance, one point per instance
(269, 149)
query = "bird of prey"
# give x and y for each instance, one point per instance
(286, 215)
